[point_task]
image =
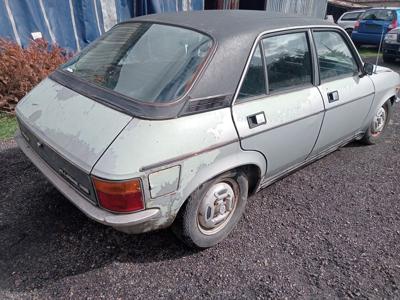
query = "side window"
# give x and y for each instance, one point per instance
(351, 16)
(335, 58)
(288, 61)
(254, 81)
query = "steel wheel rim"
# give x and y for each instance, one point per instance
(379, 121)
(217, 207)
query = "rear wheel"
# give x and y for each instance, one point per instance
(378, 125)
(212, 211)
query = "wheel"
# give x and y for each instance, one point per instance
(378, 125)
(388, 59)
(212, 211)
(349, 31)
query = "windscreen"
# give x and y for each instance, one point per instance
(147, 62)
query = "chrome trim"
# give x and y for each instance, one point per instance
(308, 161)
(348, 102)
(93, 212)
(185, 156)
(260, 36)
(283, 124)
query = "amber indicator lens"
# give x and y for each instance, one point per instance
(119, 196)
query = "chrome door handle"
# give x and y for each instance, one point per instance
(256, 119)
(333, 96)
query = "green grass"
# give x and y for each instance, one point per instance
(8, 125)
(368, 52)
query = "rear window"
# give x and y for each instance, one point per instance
(379, 15)
(147, 62)
(353, 16)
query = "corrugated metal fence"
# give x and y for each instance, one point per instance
(73, 24)
(311, 8)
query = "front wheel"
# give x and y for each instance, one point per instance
(378, 125)
(212, 211)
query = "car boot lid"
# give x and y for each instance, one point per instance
(75, 126)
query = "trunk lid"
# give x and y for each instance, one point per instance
(76, 127)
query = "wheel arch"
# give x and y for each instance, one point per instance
(252, 163)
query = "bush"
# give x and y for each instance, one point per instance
(21, 69)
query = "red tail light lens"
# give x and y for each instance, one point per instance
(119, 196)
(393, 25)
(357, 25)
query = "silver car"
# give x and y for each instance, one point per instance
(176, 119)
(349, 19)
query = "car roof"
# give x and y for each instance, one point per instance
(228, 23)
(354, 11)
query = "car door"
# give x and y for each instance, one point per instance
(347, 95)
(278, 111)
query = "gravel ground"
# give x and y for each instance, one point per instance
(329, 230)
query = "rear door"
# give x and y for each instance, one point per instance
(278, 110)
(347, 96)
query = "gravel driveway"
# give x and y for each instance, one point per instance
(330, 230)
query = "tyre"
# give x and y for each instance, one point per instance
(212, 211)
(388, 59)
(378, 125)
(349, 31)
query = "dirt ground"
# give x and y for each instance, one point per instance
(329, 230)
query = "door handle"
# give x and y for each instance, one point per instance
(333, 96)
(256, 119)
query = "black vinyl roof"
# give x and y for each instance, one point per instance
(230, 23)
(234, 33)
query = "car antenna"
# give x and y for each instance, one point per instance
(379, 49)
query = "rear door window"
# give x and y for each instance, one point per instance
(379, 15)
(351, 16)
(334, 56)
(254, 81)
(288, 61)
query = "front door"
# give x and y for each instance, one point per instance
(278, 110)
(347, 96)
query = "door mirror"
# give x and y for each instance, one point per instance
(368, 69)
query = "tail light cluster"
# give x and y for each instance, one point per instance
(119, 196)
(393, 25)
(357, 25)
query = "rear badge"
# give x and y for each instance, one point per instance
(72, 181)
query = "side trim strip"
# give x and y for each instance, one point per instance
(185, 156)
(308, 161)
(283, 124)
(348, 102)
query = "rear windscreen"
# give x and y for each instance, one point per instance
(148, 62)
(379, 15)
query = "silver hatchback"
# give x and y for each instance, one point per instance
(176, 119)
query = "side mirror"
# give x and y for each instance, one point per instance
(368, 69)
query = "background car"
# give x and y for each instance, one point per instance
(349, 19)
(391, 45)
(373, 23)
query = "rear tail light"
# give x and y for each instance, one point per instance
(119, 196)
(357, 25)
(393, 25)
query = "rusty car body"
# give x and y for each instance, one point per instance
(175, 119)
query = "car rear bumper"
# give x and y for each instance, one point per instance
(143, 220)
(366, 38)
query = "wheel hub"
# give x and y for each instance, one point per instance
(379, 121)
(216, 208)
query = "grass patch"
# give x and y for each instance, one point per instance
(368, 52)
(8, 125)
